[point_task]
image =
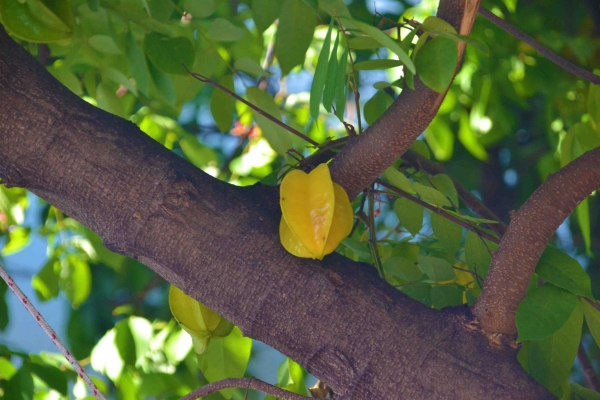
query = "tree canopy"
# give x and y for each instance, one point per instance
(155, 135)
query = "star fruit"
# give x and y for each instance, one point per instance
(316, 213)
(195, 318)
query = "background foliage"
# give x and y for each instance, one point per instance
(510, 118)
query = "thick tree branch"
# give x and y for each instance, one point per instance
(530, 230)
(367, 155)
(220, 244)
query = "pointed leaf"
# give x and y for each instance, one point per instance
(410, 215)
(436, 62)
(295, 30)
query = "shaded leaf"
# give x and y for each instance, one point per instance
(437, 269)
(447, 232)
(297, 24)
(410, 215)
(279, 138)
(222, 105)
(265, 12)
(557, 267)
(168, 54)
(436, 61)
(318, 83)
(376, 106)
(544, 311)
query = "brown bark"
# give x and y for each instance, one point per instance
(367, 155)
(219, 243)
(530, 229)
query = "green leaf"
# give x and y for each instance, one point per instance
(45, 282)
(313, 4)
(137, 64)
(361, 249)
(106, 358)
(363, 43)
(551, 359)
(403, 268)
(200, 8)
(384, 39)
(447, 232)
(104, 44)
(468, 138)
(222, 30)
(108, 100)
(410, 215)
(340, 87)
(431, 195)
(376, 106)
(3, 307)
(583, 219)
(399, 180)
(445, 296)
(592, 318)
(162, 87)
(168, 54)
(18, 238)
(557, 267)
(67, 78)
(291, 376)
(318, 83)
(331, 79)
(335, 8)
(7, 370)
(51, 375)
(377, 64)
(593, 105)
(75, 279)
(295, 30)
(436, 62)
(141, 332)
(20, 386)
(437, 269)
(279, 138)
(544, 311)
(226, 358)
(440, 138)
(198, 154)
(118, 77)
(265, 12)
(444, 184)
(477, 253)
(482, 47)
(436, 25)
(37, 21)
(584, 393)
(222, 105)
(250, 66)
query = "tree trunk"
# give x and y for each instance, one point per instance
(220, 244)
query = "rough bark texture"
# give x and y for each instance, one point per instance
(219, 243)
(366, 156)
(530, 229)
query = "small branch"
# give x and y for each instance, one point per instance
(529, 232)
(416, 161)
(438, 211)
(243, 383)
(561, 62)
(271, 118)
(373, 234)
(50, 332)
(588, 369)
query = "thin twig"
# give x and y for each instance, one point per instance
(416, 160)
(561, 62)
(271, 118)
(437, 210)
(243, 383)
(372, 233)
(50, 332)
(588, 368)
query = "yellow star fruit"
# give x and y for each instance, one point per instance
(195, 318)
(316, 213)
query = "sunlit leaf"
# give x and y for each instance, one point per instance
(377, 64)
(37, 21)
(441, 139)
(592, 319)
(399, 180)
(18, 238)
(104, 44)
(431, 195)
